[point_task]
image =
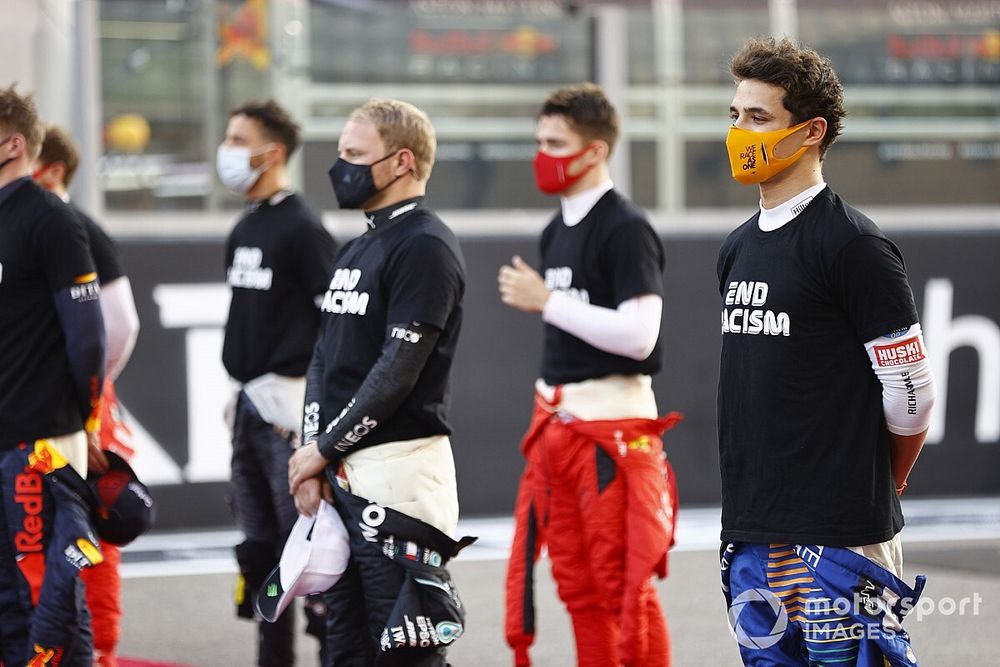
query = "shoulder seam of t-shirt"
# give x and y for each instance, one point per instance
(428, 234)
(395, 254)
(857, 237)
(882, 328)
(49, 211)
(19, 193)
(743, 227)
(311, 215)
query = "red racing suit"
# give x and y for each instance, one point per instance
(103, 582)
(601, 496)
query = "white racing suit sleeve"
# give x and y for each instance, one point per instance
(121, 324)
(629, 331)
(899, 360)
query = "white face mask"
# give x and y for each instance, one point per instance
(235, 172)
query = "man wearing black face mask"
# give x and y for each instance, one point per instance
(377, 392)
(278, 265)
(51, 372)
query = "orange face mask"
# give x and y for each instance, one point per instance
(751, 154)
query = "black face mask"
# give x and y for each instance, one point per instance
(354, 184)
(10, 159)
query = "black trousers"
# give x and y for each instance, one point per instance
(265, 513)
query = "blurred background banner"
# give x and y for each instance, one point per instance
(922, 79)
(175, 389)
(146, 87)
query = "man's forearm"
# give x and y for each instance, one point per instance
(904, 450)
(83, 327)
(121, 324)
(389, 382)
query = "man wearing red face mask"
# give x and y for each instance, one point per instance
(596, 489)
(825, 390)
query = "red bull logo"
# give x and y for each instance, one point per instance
(28, 494)
(46, 458)
(41, 462)
(46, 656)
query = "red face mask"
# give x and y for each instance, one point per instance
(552, 173)
(38, 174)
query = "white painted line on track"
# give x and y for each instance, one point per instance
(210, 552)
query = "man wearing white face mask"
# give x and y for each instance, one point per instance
(278, 263)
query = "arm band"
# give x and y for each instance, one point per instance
(629, 331)
(900, 362)
(121, 324)
(392, 378)
(83, 327)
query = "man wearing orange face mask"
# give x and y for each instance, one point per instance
(825, 391)
(596, 489)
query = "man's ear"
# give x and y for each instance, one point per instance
(19, 144)
(600, 149)
(817, 132)
(404, 162)
(58, 171)
(275, 154)
(280, 153)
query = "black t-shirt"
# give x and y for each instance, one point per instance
(406, 268)
(43, 249)
(802, 438)
(102, 248)
(278, 260)
(610, 256)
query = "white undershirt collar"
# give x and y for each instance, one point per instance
(775, 218)
(576, 207)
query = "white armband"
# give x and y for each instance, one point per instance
(629, 331)
(899, 360)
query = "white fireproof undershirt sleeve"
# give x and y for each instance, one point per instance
(900, 362)
(629, 331)
(121, 324)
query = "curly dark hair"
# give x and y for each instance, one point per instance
(275, 122)
(587, 110)
(812, 89)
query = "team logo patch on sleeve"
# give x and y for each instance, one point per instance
(899, 354)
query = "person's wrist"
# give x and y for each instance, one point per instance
(544, 300)
(552, 300)
(326, 447)
(901, 488)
